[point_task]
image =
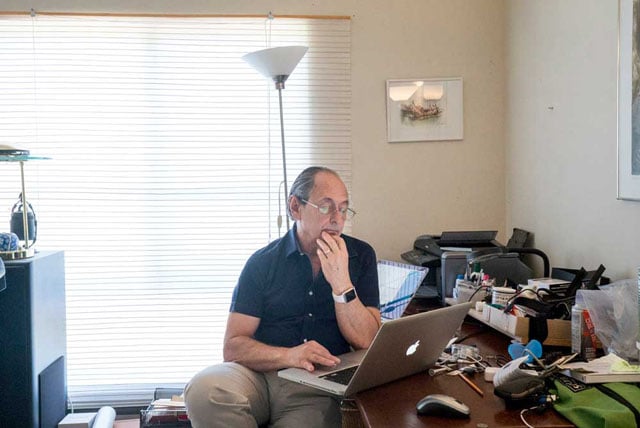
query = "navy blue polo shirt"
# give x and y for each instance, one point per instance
(277, 286)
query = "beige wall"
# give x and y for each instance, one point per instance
(406, 189)
(539, 119)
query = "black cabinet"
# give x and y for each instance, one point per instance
(33, 342)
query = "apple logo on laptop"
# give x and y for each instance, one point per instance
(413, 347)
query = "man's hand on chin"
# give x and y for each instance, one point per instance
(334, 260)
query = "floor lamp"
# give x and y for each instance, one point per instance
(278, 64)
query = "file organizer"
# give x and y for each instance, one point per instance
(398, 283)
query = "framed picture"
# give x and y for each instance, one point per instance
(424, 109)
(628, 102)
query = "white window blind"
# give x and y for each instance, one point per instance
(164, 175)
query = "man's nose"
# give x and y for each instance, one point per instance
(336, 216)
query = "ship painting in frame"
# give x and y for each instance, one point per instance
(628, 101)
(424, 109)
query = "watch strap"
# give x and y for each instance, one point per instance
(345, 297)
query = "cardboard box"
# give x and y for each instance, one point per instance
(559, 331)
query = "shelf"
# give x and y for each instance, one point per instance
(480, 316)
(21, 158)
(559, 331)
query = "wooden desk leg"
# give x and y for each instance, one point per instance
(351, 417)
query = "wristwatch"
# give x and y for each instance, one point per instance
(345, 297)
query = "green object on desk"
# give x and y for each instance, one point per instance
(610, 405)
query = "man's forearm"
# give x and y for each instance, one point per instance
(255, 355)
(358, 324)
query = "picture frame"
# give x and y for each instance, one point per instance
(628, 144)
(424, 109)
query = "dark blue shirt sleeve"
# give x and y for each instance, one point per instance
(365, 280)
(248, 294)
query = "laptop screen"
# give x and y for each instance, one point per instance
(398, 283)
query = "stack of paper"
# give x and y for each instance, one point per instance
(609, 368)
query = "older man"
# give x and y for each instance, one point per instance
(299, 302)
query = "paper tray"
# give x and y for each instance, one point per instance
(164, 417)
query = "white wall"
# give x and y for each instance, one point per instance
(561, 134)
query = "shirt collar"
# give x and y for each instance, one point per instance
(291, 244)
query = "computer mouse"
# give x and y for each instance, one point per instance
(442, 405)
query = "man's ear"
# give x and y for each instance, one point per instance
(294, 207)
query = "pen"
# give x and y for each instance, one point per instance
(471, 384)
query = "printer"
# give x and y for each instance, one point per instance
(448, 254)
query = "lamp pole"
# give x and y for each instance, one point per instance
(280, 86)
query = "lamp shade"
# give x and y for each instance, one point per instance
(274, 62)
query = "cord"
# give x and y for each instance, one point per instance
(476, 291)
(280, 209)
(545, 401)
(466, 336)
(267, 41)
(501, 360)
(509, 305)
(524, 421)
(528, 351)
(553, 300)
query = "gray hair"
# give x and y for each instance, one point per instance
(303, 184)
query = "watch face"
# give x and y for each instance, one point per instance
(350, 295)
(345, 297)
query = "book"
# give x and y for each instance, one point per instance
(609, 368)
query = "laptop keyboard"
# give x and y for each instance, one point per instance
(341, 376)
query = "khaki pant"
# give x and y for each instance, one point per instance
(230, 395)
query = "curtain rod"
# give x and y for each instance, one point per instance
(174, 15)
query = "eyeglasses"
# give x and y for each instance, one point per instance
(330, 208)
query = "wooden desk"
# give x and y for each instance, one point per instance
(393, 404)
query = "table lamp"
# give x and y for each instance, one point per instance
(11, 154)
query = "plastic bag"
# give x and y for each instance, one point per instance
(614, 311)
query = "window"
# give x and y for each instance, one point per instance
(164, 175)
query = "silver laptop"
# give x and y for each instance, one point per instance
(402, 347)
